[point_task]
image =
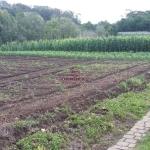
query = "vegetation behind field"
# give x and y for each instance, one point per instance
(19, 22)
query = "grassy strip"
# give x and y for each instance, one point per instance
(144, 144)
(87, 55)
(99, 119)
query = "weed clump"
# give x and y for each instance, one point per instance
(41, 141)
(133, 83)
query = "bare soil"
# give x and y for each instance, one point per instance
(31, 85)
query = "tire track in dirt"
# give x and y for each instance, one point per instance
(75, 95)
(36, 74)
(39, 90)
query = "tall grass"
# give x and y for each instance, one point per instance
(110, 44)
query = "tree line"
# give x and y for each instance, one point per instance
(19, 22)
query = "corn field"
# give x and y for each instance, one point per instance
(110, 44)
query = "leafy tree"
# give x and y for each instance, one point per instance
(31, 25)
(4, 5)
(44, 11)
(100, 30)
(52, 29)
(7, 27)
(135, 21)
(18, 8)
(56, 13)
(88, 26)
(61, 28)
(72, 16)
(105, 24)
(113, 29)
(68, 28)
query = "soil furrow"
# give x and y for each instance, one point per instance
(75, 95)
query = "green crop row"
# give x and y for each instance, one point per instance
(109, 44)
(87, 55)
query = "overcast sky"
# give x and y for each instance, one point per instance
(92, 10)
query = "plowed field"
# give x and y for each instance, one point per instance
(35, 84)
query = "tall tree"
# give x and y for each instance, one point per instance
(61, 28)
(88, 26)
(18, 8)
(31, 25)
(135, 21)
(68, 28)
(71, 15)
(52, 29)
(44, 11)
(4, 4)
(7, 27)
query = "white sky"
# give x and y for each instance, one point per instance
(92, 10)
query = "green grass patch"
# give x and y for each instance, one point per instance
(90, 124)
(132, 83)
(41, 141)
(88, 55)
(144, 144)
(25, 123)
(129, 105)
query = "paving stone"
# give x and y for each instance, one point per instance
(140, 124)
(134, 130)
(143, 120)
(121, 140)
(147, 125)
(148, 122)
(128, 136)
(130, 132)
(131, 141)
(139, 121)
(137, 138)
(112, 148)
(139, 127)
(132, 145)
(123, 143)
(116, 146)
(138, 134)
(141, 131)
(147, 129)
(124, 148)
(146, 119)
(143, 135)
